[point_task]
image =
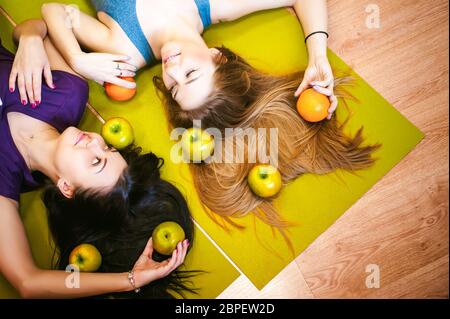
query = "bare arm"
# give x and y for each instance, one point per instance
(229, 10)
(68, 27)
(37, 30)
(313, 15)
(18, 267)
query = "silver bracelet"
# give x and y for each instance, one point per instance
(132, 282)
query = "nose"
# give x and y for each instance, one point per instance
(94, 145)
(175, 72)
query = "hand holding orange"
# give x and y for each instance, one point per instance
(313, 106)
(119, 93)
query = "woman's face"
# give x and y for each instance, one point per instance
(188, 72)
(83, 160)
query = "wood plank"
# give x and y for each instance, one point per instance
(289, 284)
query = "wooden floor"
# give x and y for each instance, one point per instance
(401, 224)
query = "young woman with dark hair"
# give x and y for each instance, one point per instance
(94, 195)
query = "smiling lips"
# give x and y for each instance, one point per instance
(170, 58)
(80, 137)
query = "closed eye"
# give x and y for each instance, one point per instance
(173, 90)
(103, 166)
(190, 72)
(96, 161)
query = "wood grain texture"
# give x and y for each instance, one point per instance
(287, 284)
(401, 224)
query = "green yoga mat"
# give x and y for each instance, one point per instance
(272, 41)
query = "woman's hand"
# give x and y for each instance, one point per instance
(147, 270)
(104, 67)
(30, 63)
(319, 76)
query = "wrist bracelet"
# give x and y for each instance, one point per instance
(315, 33)
(132, 282)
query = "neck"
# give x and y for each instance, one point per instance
(38, 150)
(180, 31)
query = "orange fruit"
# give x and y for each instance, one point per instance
(313, 106)
(119, 93)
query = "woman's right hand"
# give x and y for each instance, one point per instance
(30, 63)
(147, 270)
(104, 67)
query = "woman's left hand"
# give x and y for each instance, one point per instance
(147, 270)
(319, 76)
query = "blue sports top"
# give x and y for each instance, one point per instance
(124, 13)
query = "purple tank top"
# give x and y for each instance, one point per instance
(61, 107)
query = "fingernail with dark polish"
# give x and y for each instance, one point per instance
(24, 102)
(33, 105)
(11, 90)
(38, 102)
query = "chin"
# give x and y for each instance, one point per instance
(170, 49)
(69, 136)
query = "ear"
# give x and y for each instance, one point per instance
(65, 188)
(217, 56)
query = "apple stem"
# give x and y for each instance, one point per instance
(96, 114)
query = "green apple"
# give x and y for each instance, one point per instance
(197, 144)
(264, 180)
(166, 236)
(86, 257)
(118, 133)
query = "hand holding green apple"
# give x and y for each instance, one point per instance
(264, 180)
(118, 133)
(146, 269)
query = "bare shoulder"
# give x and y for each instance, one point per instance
(228, 10)
(7, 204)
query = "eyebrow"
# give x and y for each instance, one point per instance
(103, 167)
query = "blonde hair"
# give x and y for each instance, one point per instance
(247, 98)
